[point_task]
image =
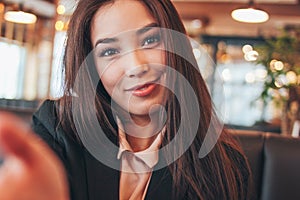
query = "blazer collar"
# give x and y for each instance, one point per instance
(103, 181)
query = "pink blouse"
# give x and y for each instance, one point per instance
(136, 167)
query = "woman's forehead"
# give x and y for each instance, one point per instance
(120, 16)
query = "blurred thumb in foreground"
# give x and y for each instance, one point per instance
(29, 170)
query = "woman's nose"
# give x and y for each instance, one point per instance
(137, 64)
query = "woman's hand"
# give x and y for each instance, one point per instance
(30, 170)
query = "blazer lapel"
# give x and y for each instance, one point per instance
(103, 181)
(160, 186)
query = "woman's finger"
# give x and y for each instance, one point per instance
(14, 140)
(30, 169)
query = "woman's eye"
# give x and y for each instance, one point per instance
(108, 52)
(151, 40)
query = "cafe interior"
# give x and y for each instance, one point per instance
(248, 51)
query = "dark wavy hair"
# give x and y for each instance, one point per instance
(224, 172)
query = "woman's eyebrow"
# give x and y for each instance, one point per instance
(139, 32)
(106, 41)
(146, 28)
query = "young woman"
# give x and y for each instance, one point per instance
(124, 67)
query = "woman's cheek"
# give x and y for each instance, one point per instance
(110, 79)
(108, 84)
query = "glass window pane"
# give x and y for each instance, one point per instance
(11, 71)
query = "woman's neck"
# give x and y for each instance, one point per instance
(140, 144)
(142, 131)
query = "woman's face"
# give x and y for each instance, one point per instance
(129, 56)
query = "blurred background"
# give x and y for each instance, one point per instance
(253, 71)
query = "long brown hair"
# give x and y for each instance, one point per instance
(223, 173)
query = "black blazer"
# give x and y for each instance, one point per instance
(88, 178)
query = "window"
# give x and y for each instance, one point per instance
(237, 83)
(12, 57)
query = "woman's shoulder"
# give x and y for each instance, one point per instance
(240, 162)
(236, 154)
(46, 123)
(45, 116)
(47, 107)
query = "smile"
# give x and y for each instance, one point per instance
(144, 89)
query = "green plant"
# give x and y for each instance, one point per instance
(281, 57)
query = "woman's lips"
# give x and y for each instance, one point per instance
(144, 90)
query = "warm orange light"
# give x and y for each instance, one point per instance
(59, 25)
(1, 7)
(60, 9)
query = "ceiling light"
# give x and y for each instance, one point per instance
(20, 17)
(250, 14)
